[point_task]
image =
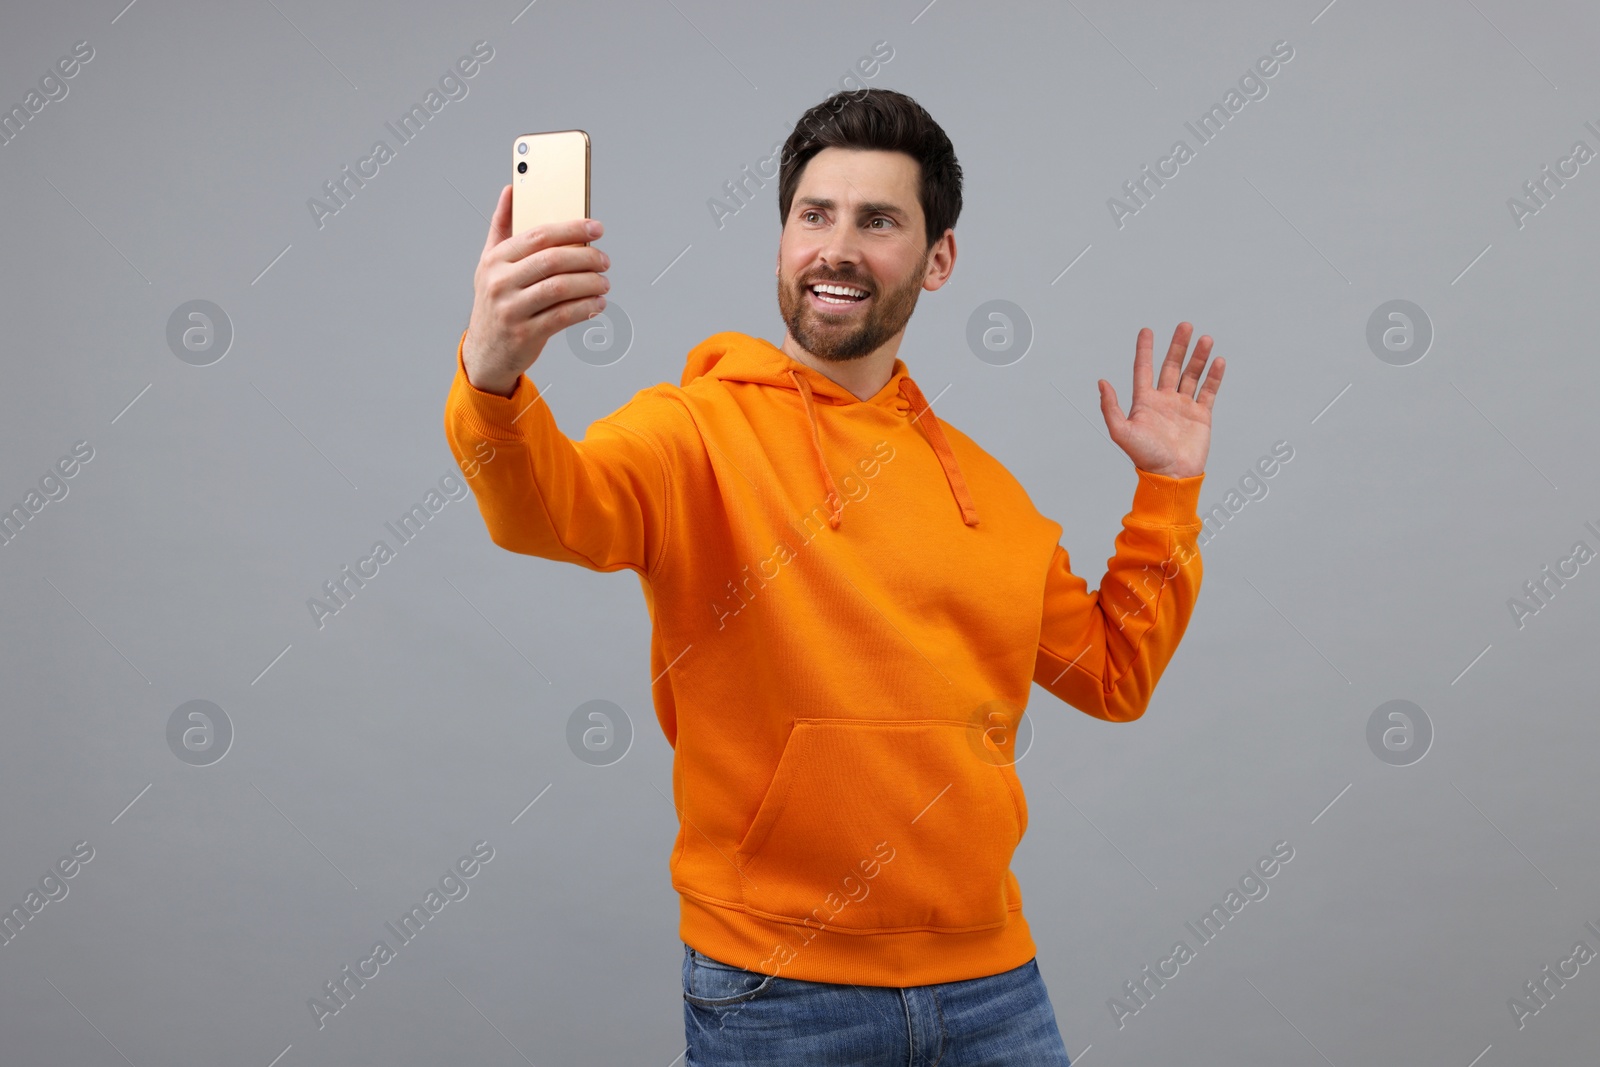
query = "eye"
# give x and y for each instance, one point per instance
(883, 218)
(807, 214)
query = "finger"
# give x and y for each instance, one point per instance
(1172, 366)
(1109, 408)
(1197, 364)
(1208, 391)
(534, 279)
(557, 290)
(1141, 363)
(551, 235)
(500, 225)
(554, 319)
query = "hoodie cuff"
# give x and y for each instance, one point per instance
(1160, 500)
(491, 415)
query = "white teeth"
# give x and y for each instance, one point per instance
(838, 290)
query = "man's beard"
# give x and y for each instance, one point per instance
(839, 340)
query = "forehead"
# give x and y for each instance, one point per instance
(850, 176)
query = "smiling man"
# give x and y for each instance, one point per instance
(841, 691)
(843, 308)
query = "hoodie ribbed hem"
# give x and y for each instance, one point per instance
(879, 959)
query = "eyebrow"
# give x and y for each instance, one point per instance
(875, 207)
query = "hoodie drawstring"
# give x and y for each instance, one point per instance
(941, 448)
(834, 517)
(931, 428)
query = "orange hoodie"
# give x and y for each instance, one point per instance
(850, 601)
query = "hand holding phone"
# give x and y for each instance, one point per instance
(532, 284)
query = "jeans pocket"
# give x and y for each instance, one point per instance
(709, 983)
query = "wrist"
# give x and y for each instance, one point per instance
(486, 380)
(485, 383)
(481, 378)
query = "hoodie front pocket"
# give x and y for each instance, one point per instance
(878, 825)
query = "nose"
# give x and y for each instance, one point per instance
(841, 248)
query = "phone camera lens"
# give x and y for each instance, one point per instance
(522, 168)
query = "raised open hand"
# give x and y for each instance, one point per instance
(1167, 429)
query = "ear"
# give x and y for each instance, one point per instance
(941, 261)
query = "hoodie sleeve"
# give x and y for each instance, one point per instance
(1103, 652)
(602, 502)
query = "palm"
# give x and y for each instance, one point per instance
(1167, 429)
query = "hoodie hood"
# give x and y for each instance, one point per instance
(739, 357)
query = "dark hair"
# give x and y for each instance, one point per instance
(881, 119)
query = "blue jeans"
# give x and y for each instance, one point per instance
(734, 1016)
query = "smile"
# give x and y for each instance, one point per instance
(837, 297)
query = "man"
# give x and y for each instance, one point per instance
(841, 685)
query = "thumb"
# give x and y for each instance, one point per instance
(1110, 408)
(500, 224)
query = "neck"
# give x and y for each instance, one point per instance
(862, 377)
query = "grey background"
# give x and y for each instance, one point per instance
(431, 711)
